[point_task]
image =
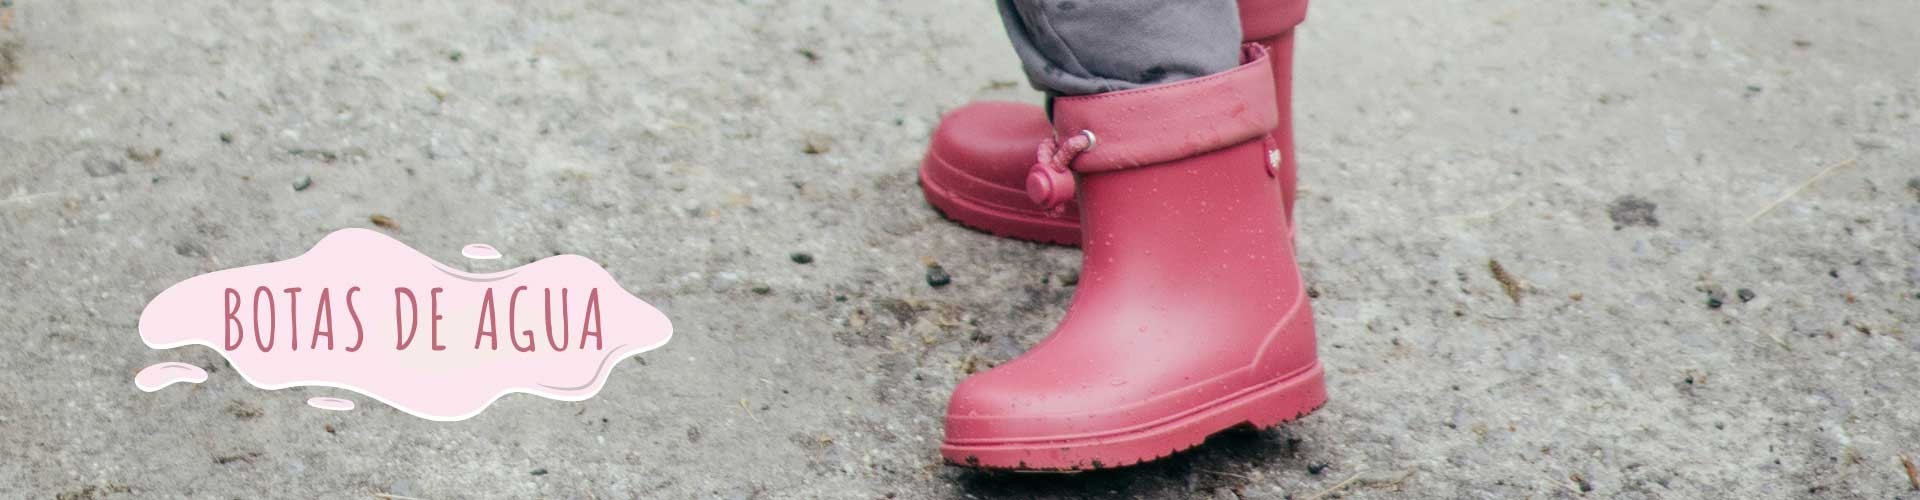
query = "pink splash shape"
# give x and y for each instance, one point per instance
(479, 251)
(326, 403)
(376, 289)
(160, 375)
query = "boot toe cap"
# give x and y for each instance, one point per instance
(994, 140)
(1035, 402)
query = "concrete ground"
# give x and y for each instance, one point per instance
(1615, 158)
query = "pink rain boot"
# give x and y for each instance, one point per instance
(1190, 316)
(976, 164)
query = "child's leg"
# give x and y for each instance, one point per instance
(1080, 47)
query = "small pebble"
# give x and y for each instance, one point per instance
(384, 222)
(103, 168)
(723, 281)
(762, 289)
(1630, 210)
(1071, 278)
(1714, 301)
(1316, 468)
(143, 156)
(301, 183)
(801, 257)
(539, 472)
(1746, 294)
(226, 137)
(403, 487)
(937, 276)
(189, 249)
(1587, 487)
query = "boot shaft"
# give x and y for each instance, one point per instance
(1271, 23)
(1180, 193)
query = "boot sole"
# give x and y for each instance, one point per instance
(972, 213)
(1283, 400)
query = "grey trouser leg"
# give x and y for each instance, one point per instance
(1079, 47)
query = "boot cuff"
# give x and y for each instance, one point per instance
(1151, 125)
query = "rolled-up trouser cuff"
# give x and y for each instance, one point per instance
(1081, 47)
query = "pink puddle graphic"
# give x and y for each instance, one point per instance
(326, 403)
(363, 312)
(154, 377)
(479, 251)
